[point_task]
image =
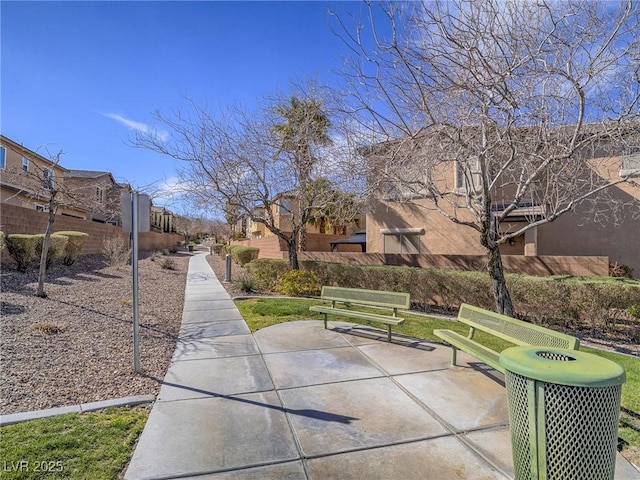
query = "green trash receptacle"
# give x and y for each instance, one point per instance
(564, 407)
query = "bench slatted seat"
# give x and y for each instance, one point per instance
(501, 326)
(367, 298)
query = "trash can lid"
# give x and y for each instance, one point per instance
(563, 367)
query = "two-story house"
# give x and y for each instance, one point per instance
(407, 216)
(27, 179)
(98, 192)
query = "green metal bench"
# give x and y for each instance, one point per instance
(502, 326)
(367, 298)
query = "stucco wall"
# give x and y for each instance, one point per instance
(541, 266)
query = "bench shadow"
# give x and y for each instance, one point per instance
(305, 412)
(371, 333)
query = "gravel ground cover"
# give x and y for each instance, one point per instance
(76, 345)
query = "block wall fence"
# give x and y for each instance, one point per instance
(14, 219)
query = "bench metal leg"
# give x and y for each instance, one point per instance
(454, 352)
(325, 321)
(389, 333)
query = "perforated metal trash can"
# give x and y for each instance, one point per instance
(564, 407)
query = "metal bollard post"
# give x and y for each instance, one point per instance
(227, 270)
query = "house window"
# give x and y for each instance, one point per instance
(468, 174)
(42, 208)
(25, 164)
(283, 207)
(3, 157)
(100, 195)
(48, 178)
(631, 163)
(401, 240)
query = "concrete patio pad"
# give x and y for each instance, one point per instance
(312, 367)
(437, 459)
(218, 347)
(397, 417)
(296, 336)
(202, 331)
(464, 398)
(208, 435)
(221, 312)
(296, 401)
(215, 377)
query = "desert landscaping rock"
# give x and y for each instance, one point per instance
(76, 345)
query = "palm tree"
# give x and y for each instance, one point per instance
(305, 128)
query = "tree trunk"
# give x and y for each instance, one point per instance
(45, 247)
(302, 239)
(293, 253)
(498, 282)
(489, 240)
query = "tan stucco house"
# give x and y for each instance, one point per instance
(405, 221)
(26, 178)
(98, 192)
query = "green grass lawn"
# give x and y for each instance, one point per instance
(263, 312)
(94, 445)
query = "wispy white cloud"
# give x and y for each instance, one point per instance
(137, 126)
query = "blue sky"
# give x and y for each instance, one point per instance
(83, 76)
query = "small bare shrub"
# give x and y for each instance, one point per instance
(50, 328)
(621, 271)
(116, 251)
(246, 284)
(155, 256)
(168, 264)
(1, 241)
(126, 303)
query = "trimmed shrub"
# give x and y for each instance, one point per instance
(217, 247)
(57, 245)
(243, 255)
(21, 247)
(298, 283)
(265, 272)
(596, 304)
(75, 245)
(1, 241)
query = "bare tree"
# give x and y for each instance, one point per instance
(486, 108)
(252, 161)
(39, 184)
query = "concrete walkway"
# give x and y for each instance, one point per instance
(295, 401)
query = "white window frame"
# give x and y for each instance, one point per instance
(283, 207)
(401, 234)
(100, 195)
(48, 178)
(3, 157)
(43, 207)
(25, 164)
(473, 164)
(630, 163)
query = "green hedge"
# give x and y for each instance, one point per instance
(217, 248)
(57, 245)
(75, 245)
(243, 255)
(1, 241)
(21, 248)
(594, 303)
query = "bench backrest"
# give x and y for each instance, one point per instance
(514, 330)
(375, 298)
